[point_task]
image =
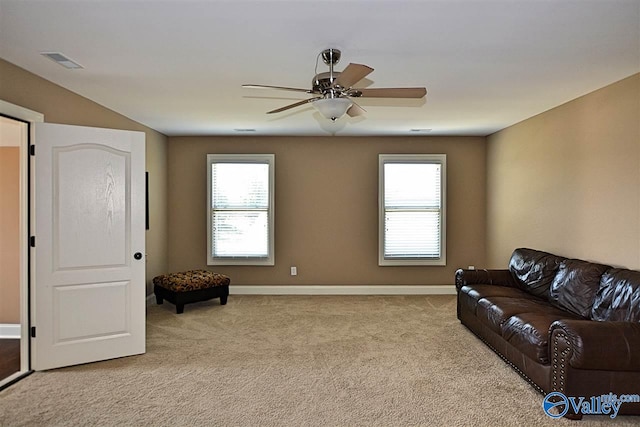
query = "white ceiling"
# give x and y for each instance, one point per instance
(177, 66)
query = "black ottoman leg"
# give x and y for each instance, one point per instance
(157, 290)
(179, 308)
(223, 299)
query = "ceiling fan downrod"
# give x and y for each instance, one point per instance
(331, 57)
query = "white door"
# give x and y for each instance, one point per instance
(88, 260)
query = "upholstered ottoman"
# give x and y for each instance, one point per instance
(190, 286)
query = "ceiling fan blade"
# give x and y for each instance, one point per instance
(352, 75)
(295, 89)
(355, 110)
(296, 104)
(388, 92)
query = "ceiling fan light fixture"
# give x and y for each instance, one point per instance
(332, 108)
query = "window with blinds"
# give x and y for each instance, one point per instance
(240, 209)
(412, 209)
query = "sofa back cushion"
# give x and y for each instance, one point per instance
(575, 285)
(534, 270)
(618, 298)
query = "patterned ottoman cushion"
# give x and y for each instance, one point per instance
(191, 280)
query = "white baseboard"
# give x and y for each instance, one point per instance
(9, 330)
(344, 290)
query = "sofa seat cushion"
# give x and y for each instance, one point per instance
(529, 332)
(494, 311)
(471, 294)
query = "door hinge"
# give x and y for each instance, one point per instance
(33, 332)
(32, 241)
(32, 150)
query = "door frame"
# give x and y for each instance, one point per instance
(27, 221)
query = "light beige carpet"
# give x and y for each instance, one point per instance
(292, 361)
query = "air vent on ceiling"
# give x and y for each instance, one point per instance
(62, 60)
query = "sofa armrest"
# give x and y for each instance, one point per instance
(484, 277)
(588, 344)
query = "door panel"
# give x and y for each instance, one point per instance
(89, 204)
(104, 217)
(107, 303)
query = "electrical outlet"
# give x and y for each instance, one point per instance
(472, 267)
(294, 271)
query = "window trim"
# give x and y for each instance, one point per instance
(412, 158)
(269, 159)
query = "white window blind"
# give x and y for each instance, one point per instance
(240, 209)
(412, 210)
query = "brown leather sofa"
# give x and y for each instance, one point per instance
(565, 325)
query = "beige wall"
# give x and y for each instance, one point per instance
(60, 105)
(10, 235)
(326, 211)
(564, 181)
(568, 180)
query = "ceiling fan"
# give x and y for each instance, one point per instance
(334, 89)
